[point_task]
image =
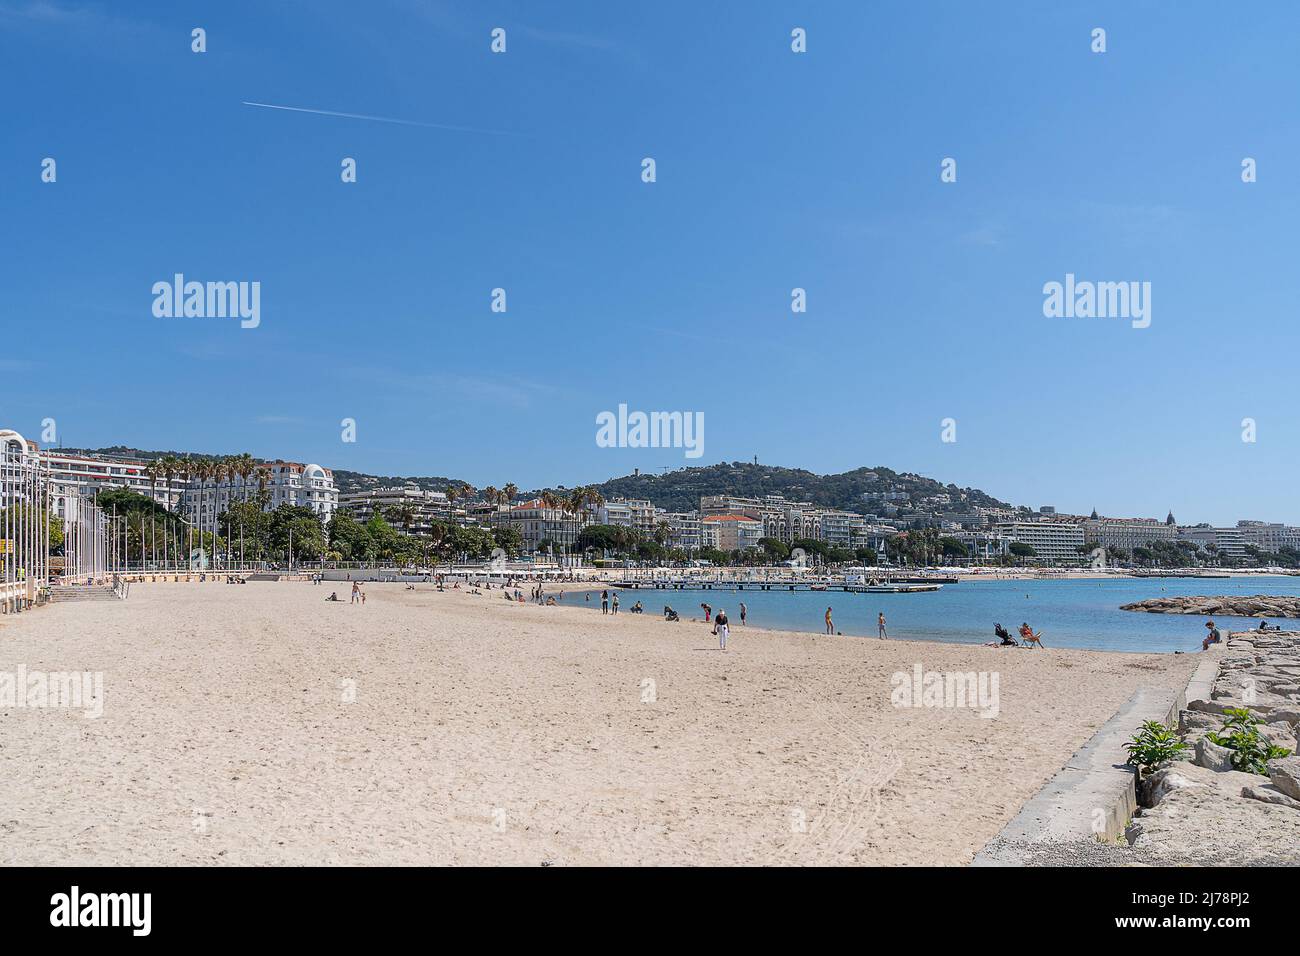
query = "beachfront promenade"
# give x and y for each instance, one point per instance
(263, 724)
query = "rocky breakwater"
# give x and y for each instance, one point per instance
(1254, 605)
(1229, 791)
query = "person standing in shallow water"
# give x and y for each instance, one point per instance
(830, 626)
(880, 627)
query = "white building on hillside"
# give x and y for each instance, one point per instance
(288, 482)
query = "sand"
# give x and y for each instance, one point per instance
(258, 724)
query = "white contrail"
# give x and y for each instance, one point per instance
(383, 119)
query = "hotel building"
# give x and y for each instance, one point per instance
(85, 475)
(537, 523)
(288, 482)
(1228, 542)
(1055, 542)
(1269, 537)
(1125, 534)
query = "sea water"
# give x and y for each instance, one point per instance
(1069, 613)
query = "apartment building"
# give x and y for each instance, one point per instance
(423, 507)
(731, 532)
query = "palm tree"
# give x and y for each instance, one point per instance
(511, 492)
(185, 471)
(202, 472)
(168, 465)
(491, 495)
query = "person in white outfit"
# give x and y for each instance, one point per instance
(721, 628)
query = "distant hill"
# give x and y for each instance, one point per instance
(864, 490)
(360, 481)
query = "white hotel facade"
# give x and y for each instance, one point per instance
(288, 482)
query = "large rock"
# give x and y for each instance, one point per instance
(1286, 714)
(1213, 757)
(1203, 820)
(1254, 605)
(1270, 794)
(1279, 735)
(1189, 720)
(1285, 775)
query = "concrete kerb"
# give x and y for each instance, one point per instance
(1094, 796)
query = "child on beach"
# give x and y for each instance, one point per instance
(614, 604)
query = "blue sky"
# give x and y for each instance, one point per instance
(775, 170)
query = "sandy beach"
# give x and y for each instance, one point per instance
(259, 724)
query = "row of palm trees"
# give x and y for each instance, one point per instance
(218, 471)
(574, 503)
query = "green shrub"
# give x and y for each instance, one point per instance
(1250, 751)
(1154, 744)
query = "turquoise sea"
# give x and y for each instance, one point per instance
(1070, 613)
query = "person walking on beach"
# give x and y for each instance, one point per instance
(721, 628)
(604, 602)
(356, 591)
(880, 627)
(743, 611)
(830, 627)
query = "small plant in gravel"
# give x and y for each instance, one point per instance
(1250, 751)
(1154, 744)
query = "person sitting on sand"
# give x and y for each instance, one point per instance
(334, 596)
(670, 614)
(550, 601)
(637, 608)
(1212, 637)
